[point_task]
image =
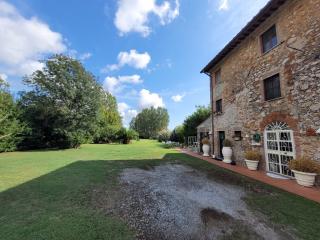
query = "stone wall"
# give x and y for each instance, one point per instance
(297, 60)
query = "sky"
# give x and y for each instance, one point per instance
(145, 52)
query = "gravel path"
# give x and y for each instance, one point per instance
(174, 201)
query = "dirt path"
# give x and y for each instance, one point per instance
(174, 201)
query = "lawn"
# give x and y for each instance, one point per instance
(48, 194)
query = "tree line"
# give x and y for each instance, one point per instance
(153, 123)
(189, 127)
(64, 107)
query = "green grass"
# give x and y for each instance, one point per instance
(48, 194)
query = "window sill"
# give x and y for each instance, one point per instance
(265, 53)
(217, 114)
(255, 144)
(274, 99)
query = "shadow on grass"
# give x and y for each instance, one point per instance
(58, 205)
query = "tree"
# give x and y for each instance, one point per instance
(150, 121)
(177, 135)
(191, 122)
(65, 105)
(10, 126)
(109, 120)
(126, 135)
(164, 135)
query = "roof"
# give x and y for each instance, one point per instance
(205, 125)
(264, 14)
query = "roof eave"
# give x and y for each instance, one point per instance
(256, 21)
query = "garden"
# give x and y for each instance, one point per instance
(69, 169)
(141, 190)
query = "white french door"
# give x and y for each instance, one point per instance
(279, 149)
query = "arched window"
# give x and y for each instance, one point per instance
(277, 126)
(279, 147)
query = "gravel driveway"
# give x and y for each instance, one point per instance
(174, 201)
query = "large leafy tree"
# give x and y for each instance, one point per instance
(177, 135)
(10, 126)
(150, 121)
(65, 106)
(196, 118)
(109, 120)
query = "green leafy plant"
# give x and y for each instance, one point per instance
(253, 155)
(150, 121)
(66, 107)
(164, 135)
(205, 141)
(304, 164)
(227, 143)
(191, 122)
(10, 125)
(126, 135)
(177, 134)
(171, 145)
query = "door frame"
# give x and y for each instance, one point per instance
(221, 142)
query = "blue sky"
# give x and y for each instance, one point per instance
(146, 52)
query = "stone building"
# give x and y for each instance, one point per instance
(265, 86)
(204, 130)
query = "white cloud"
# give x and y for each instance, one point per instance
(126, 113)
(110, 84)
(85, 56)
(133, 15)
(76, 55)
(177, 98)
(224, 5)
(116, 84)
(148, 99)
(132, 113)
(24, 41)
(133, 79)
(132, 59)
(3, 76)
(122, 108)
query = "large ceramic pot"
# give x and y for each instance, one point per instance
(227, 154)
(304, 179)
(205, 149)
(252, 164)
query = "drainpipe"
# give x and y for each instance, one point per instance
(212, 116)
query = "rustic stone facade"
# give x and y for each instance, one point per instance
(204, 130)
(296, 59)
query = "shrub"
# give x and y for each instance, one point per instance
(227, 143)
(304, 164)
(171, 145)
(126, 135)
(163, 136)
(205, 141)
(132, 134)
(106, 134)
(252, 155)
(177, 134)
(10, 125)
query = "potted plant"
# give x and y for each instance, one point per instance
(205, 147)
(227, 151)
(252, 159)
(305, 170)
